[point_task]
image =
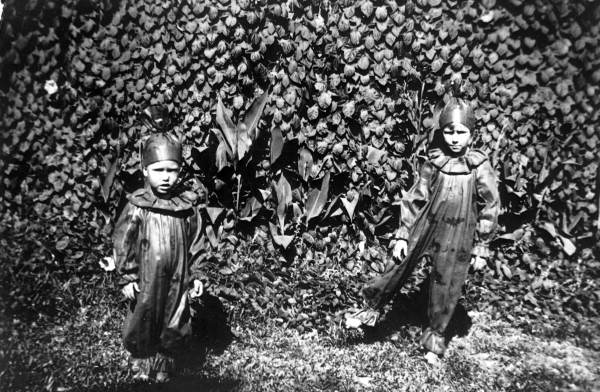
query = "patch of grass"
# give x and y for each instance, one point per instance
(85, 354)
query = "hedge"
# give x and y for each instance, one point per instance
(303, 123)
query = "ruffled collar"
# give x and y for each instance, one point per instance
(462, 164)
(145, 198)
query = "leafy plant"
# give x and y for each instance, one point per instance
(350, 97)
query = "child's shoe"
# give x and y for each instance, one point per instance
(367, 317)
(433, 342)
(432, 358)
(140, 368)
(164, 366)
(162, 377)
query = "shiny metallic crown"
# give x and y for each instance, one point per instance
(457, 111)
(161, 147)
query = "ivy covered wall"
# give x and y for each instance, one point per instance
(352, 90)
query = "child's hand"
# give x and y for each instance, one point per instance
(399, 251)
(197, 290)
(129, 290)
(478, 262)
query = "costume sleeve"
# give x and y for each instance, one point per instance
(488, 203)
(124, 239)
(198, 253)
(414, 200)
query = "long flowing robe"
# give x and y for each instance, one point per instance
(157, 243)
(452, 206)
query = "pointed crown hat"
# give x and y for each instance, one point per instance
(457, 111)
(161, 147)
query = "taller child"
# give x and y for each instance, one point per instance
(157, 246)
(449, 215)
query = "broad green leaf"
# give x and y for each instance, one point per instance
(276, 144)
(332, 211)
(317, 198)
(213, 237)
(246, 132)
(227, 126)
(251, 209)
(305, 163)
(514, 236)
(297, 211)
(549, 228)
(252, 116)
(282, 240)
(214, 213)
(283, 192)
(265, 194)
(221, 156)
(350, 203)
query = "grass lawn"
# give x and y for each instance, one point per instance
(84, 354)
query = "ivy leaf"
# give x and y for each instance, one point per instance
(158, 52)
(63, 243)
(514, 236)
(317, 199)
(375, 155)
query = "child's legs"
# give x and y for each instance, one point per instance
(141, 367)
(447, 279)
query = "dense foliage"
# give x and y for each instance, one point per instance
(303, 122)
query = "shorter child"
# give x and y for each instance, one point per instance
(157, 249)
(449, 215)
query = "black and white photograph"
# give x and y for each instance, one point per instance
(299, 195)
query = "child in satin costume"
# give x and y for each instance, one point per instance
(449, 215)
(157, 251)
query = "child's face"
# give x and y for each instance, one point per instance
(457, 137)
(161, 176)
